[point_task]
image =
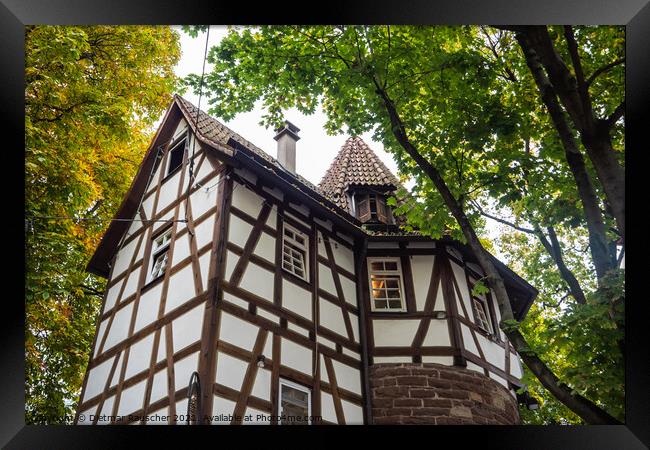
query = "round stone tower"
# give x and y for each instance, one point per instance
(434, 394)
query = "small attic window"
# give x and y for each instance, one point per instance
(371, 207)
(176, 157)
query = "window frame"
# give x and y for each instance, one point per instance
(298, 387)
(156, 252)
(300, 247)
(483, 302)
(398, 272)
(182, 142)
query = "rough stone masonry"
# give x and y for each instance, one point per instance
(433, 394)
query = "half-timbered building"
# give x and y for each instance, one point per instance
(241, 293)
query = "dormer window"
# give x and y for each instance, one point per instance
(371, 207)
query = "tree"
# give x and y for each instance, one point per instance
(434, 99)
(92, 94)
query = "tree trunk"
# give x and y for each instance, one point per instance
(593, 216)
(594, 133)
(583, 407)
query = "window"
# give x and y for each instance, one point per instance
(386, 284)
(295, 404)
(160, 252)
(372, 207)
(176, 157)
(295, 246)
(481, 314)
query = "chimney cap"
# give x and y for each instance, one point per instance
(289, 128)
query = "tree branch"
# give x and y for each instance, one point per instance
(614, 116)
(503, 221)
(604, 69)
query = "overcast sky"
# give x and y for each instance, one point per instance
(315, 149)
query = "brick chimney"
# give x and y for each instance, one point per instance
(287, 136)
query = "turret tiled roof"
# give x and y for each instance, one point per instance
(355, 164)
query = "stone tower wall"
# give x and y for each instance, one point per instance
(434, 394)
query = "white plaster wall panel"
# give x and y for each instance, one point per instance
(327, 407)
(120, 327)
(254, 416)
(183, 370)
(475, 267)
(326, 342)
(422, 267)
(349, 290)
(181, 288)
(181, 249)
(87, 413)
(331, 317)
(296, 299)
(168, 191)
(445, 360)
(221, 409)
(135, 225)
(321, 245)
(351, 354)
(159, 386)
(147, 204)
(494, 354)
(124, 256)
(515, 366)
(139, 356)
(230, 371)
(475, 367)
(437, 334)
(346, 238)
(268, 347)
(393, 359)
(268, 315)
(107, 410)
(162, 347)
(296, 356)
(383, 245)
(204, 231)
(354, 319)
(300, 208)
(258, 281)
(468, 340)
(353, 413)
(266, 247)
(132, 399)
(459, 273)
(422, 244)
(100, 335)
(246, 200)
(116, 375)
(238, 231)
(343, 256)
(394, 333)
(112, 294)
(204, 264)
(202, 201)
(205, 170)
(148, 307)
(297, 329)
(131, 283)
(297, 218)
(262, 385)
(181, 410)
(325, 280)
(347, 377)
(186, 329)
(237, 331)
(97, 379)
(274, 191)
(231, 262)
(272, 220)
(324, 223)
(236, 300)
(180, 129)
(323, 370)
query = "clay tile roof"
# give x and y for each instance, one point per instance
(355, 164)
